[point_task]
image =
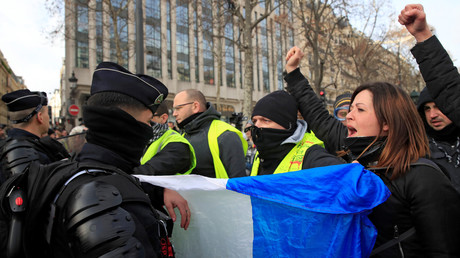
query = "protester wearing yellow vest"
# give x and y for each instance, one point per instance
(169, 153)
(219, 147)
(284, 144)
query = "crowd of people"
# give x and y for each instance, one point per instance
(68, 188)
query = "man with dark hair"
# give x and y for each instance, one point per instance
(219, 147)
(439, 102)
(441, 76)
(284, 143)
(169, 152)
(28, 114)
(93, 206)
(444, 137)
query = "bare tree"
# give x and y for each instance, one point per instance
(243, 12)
(318, 23)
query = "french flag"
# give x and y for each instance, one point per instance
(319, 212)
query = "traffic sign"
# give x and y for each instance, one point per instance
(74, 110)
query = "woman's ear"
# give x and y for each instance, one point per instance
(385, 127)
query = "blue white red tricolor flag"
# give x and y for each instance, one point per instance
(320, 212)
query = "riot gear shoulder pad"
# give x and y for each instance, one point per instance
(97, 224)
(17, 156)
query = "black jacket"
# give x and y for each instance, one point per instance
(230, 146)
(441, 76)
(444, 144)
(422, 198)
(48, 149)
(315, 156)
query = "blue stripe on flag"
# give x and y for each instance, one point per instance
(339, 189)
(319, 212)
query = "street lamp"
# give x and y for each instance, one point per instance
(73, 80)
(414, 96)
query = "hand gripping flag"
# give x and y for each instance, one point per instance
(320, 212)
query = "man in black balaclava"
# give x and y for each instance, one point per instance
(284, 144)
(444, 137)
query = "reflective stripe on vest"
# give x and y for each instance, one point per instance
(215, 130)
(160, 143)
(293, 161)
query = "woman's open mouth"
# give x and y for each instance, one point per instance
(351, 131)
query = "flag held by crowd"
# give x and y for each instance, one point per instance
(320, 212)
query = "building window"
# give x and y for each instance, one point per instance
(81, 37)
(99, 29)
(82, 54)
(229, 52)
(257, 57)
(153, 37)
(119, 34)
(196, 47)
(241, 69)
(168, 37)
(279, 56)
(82, 19)
(208, 57)
(264, 47)
(182, 44)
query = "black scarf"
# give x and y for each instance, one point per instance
(118, 131)
(448, 134)
(356, 146)
(188, 120)
(268, 140)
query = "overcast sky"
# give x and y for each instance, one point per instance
(31, 55)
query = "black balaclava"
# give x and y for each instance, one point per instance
(118, 131)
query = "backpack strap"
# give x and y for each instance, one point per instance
(427, 162)
(411, 231)
(394, 241)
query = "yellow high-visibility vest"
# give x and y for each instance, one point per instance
(215, 130)
(160, 143)
(293, 161)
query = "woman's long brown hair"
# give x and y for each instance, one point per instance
(406, 140)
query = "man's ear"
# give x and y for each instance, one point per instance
(196, 107)
(164, 118)
(40, 117)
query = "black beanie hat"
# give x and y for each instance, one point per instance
(278, 106)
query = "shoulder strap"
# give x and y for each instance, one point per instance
(394, 241)
(427, 162)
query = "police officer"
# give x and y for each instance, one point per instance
(283, 143)
(28, 114)
(169, 152)
(93, 207)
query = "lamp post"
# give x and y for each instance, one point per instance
(414, 96)
(73, 80)
(73, 85)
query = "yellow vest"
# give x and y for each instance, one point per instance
(293, 161)
(160, 143)
(215, 130)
